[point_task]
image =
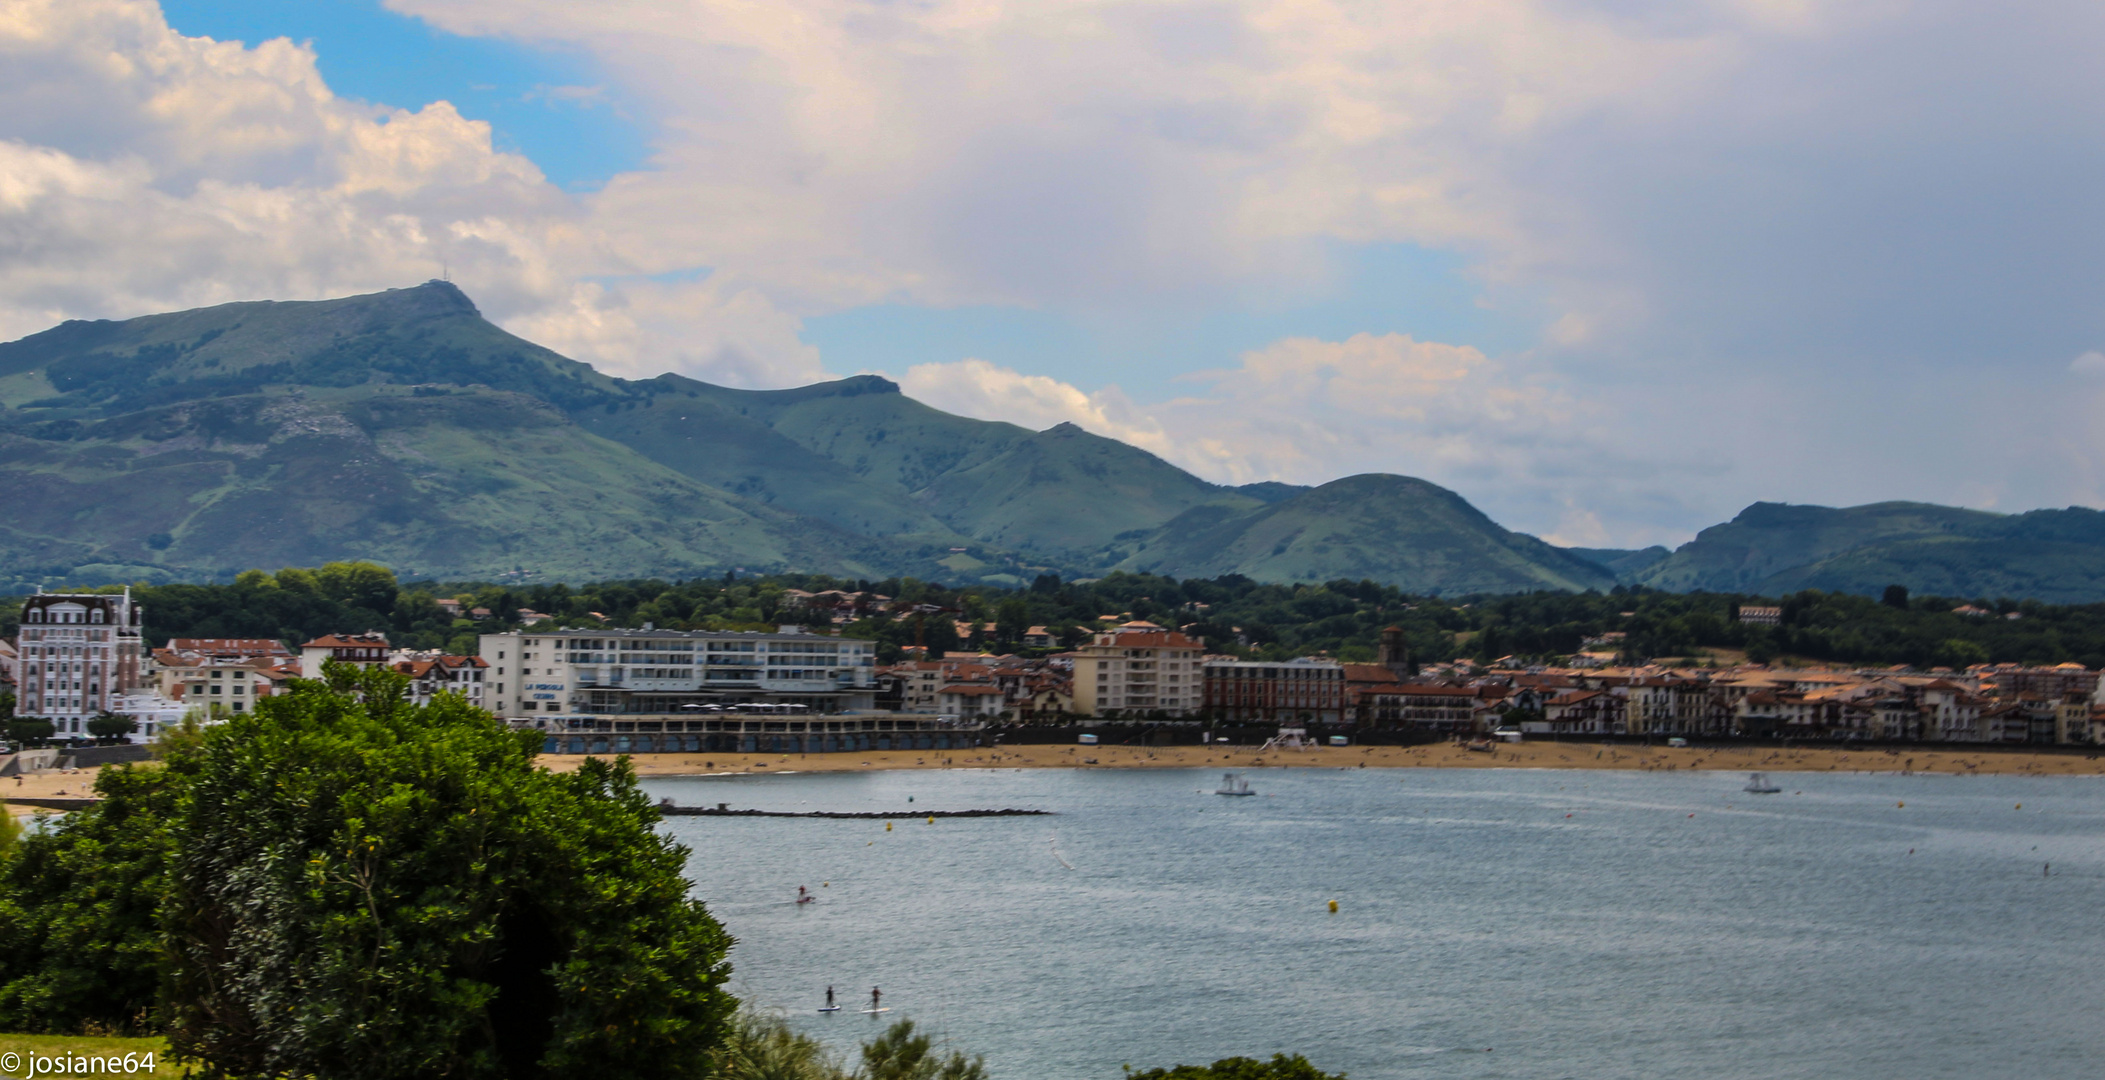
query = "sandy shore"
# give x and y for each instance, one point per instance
(1536, 755)
(1945, 760)
(78, 783)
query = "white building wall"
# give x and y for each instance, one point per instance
(77, 655)
(570, 672)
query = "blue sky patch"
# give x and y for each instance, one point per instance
(579, 140)
(1378, 289)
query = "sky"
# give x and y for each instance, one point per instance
(1611, 269)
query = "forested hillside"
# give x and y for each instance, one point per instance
(404, 428)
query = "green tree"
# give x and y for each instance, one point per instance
(79, 944)
(365, 888)
(298, 580)
(1281, 1067)
(759, 1046)
(1896, 596)
(29, 729)
(109, 725)
(1014, 620)
(359, 584)
(185, 736)
(900, 1054)
(1958, 653)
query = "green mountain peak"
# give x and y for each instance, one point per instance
(401, 426)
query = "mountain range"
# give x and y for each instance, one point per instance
(405, 428)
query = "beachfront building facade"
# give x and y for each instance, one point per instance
(78, 655)
(1307, 690)
(1138, 669)
(536, 674)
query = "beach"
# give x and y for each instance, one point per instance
(1946, 759)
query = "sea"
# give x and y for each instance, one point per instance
(1489, 923)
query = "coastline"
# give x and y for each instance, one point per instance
(1945, 759)
(1939, 760)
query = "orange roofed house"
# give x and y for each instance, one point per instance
(430, 678)
(366, 650)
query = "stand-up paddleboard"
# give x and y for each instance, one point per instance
(830, 1008)
(868, 1012)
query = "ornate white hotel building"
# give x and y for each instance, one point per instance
(80, 654)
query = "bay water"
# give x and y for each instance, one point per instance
(1489, 923)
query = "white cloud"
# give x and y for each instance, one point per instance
(973, 387)
(1304, 410)
(1695, 198)
(1109, 153)
(1683, 195)
(2090, 364)
(145, 171)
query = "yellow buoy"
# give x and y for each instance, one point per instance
(931, 819)
(888, 826)
(2020, 806)
(1333, 907)
(1900, 804)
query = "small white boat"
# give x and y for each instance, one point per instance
(1233, 784)
(1759, 784)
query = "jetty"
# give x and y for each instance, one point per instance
(50, 804)
(722, 810)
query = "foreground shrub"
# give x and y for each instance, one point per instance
(361, 888)
(79, 942)
(1281, 1067)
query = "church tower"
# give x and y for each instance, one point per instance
(1396, 653)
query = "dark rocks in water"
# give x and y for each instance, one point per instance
(718, 811)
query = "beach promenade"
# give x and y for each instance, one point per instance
(1945, 759)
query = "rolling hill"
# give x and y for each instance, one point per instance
(403, 427)
(2056, 556)
(1393, 529)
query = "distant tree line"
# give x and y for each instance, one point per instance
(1234, 614)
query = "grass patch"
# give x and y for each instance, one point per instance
(86, 1046)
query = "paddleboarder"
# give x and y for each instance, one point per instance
(829, 997)
(876, 997)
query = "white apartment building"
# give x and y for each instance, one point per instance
(535, 674)
(1138, 668)
(213, 683)
(79, 655)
